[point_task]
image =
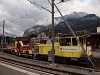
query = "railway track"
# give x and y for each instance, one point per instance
(46, 67)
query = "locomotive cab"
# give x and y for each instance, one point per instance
(69, 47)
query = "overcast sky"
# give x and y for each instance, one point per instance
(20, 15)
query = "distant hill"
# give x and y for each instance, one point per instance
(35, 30)
(88, 22)
(76, 15)
(90, 17)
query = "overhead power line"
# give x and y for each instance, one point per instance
(30, 13)
(78, 7)
(15, 7)
(48, 7)
(23, 16)
(39, 6)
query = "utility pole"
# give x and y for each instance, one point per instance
(52, 12)
(3, 35)
(52, 51)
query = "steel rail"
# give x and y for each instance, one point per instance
(57, 69)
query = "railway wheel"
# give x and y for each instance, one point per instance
(13, 52)
(26, 54)
(19, 54)
(16, 53)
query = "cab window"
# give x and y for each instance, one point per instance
(74, 42)
(65, 42)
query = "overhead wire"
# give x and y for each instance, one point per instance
(26, 15)
(23, 16)
(50, 4)
(1, 24)
(79, 7)
(48, 7)
(38, 5)
(29, 13)
(15, 7)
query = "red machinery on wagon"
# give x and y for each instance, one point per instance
(22, 46)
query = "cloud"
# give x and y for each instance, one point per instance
(21, 15)
(44, 22)
(88, 6)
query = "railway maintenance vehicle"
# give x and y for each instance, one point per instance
(66, 48)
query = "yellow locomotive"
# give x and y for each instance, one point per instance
(65, 48)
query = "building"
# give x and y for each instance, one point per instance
(98, 29)
(94, 39)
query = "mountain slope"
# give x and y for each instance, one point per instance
(35, 30)
(76, 15)
(89, 22)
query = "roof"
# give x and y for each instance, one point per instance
(95, 33)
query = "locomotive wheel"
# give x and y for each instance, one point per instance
(27, 54)
(19, 54)
(13, 52)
